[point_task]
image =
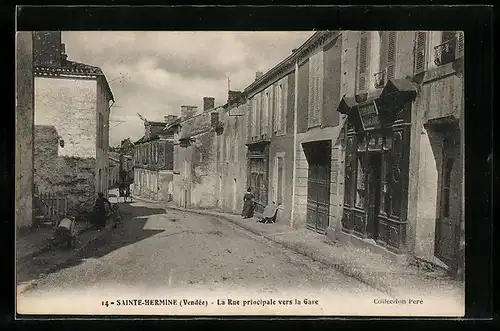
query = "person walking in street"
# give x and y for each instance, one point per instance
(100, 210)
(248, 204)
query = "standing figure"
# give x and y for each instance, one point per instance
(100, 210)
(248, 204)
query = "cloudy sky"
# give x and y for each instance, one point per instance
(154, 73)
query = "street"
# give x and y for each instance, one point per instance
(156, 249)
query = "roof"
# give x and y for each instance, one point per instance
(73, 68)
(157, 123)
(302, 50)
(173, 124)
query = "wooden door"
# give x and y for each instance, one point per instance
(318, 187)
(448, 221)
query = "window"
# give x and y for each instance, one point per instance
(265, 112)
(278, 180)
(280, 108)
(228, 148)
(362, 55)
(235, 151)
(391, 54)
(420, 53)
(360, 183)
(277, 107)
(156, 152)
(315, 90)
(253, 121)
(100, 131)
(258, 115)
(384, 188)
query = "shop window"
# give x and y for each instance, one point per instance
(384, 189)
(360, 183)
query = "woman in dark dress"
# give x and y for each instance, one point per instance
(248, 204)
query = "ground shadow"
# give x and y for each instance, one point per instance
(129, 232)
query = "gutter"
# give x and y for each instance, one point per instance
(295, 110)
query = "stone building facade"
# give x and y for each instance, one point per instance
(271, 102)
(209, 166)
(404, 145)
(24, 129)
(153, 162)
(72, 108)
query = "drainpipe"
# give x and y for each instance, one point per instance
(295, 107)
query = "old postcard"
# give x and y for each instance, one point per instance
(240, 173)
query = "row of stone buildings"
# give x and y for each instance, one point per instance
(62, 127)
(357, 135)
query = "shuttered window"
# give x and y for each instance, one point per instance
(460, 44)
(315, 90)
(284, 105)
(420, 54)
(258, 109)
(253, 109)
(363, 61)
(279, 107)
(391, 54)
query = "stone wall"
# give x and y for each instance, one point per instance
(24, 128)
(65, 112)
(102, 158)
(71, 176)
(232, 165)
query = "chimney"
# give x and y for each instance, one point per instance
(208, 103)
(258, 74)
(188, 111)
(170, 118)
(64, 56)
(234, 96)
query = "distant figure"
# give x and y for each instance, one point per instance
(127, 193)
(100, 210)
(248, 204)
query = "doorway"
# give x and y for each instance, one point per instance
(374, 186)
(318, 156)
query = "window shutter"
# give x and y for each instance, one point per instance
(419, 56)
(363, 62)
(383, 50)
(315, 99)
(391, 54)
(284, 105)
(460, 44)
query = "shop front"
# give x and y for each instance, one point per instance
(377, 148)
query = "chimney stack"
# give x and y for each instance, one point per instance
(258, 74)
(188, 111)
(208, 103)
(64, 56)
(170, 118)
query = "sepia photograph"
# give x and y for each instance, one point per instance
(240, 173)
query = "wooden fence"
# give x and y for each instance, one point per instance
(52, 206)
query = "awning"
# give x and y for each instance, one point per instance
(321, 134)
